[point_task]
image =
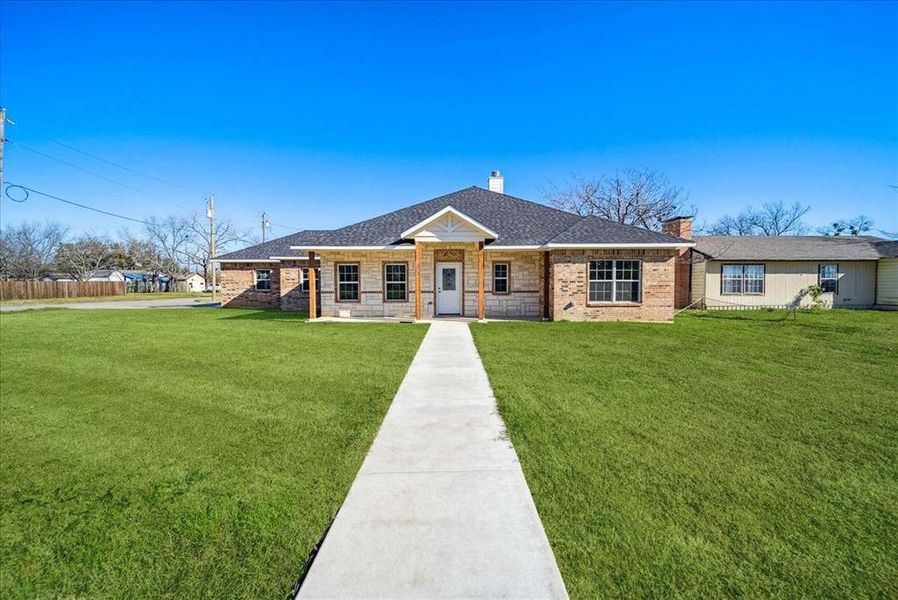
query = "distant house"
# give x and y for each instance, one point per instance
(192, 282)
(58, 277)
(758, 271)
(106, 275)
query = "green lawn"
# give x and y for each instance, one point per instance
(181, 453)
(126, 297)
(728, 454)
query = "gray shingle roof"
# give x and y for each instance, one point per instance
(888, 249)
(595, 230)
(789, 247)
(276, 247)
(518, 222)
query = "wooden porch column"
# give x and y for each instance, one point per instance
(313, 288)
(481, 309)
(417, 279)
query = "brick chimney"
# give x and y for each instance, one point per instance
(497, 182)
(680, 227)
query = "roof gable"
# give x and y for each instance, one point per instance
(449, 225)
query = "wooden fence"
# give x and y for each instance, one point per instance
(28, 290)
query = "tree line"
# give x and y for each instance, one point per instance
(647, 198)
(169, 246)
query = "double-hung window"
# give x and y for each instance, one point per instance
(615, 281)
(263, 280)
(395, 282)
(742, 280)
(829, 277)
(501, 272)
(304, 286)
(348, 282)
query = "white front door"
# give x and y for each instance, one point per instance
(449, 288)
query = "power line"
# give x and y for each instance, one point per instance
(115, 164)
(122, 167)
(103, 177)
(29, 191)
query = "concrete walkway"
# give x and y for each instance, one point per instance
(440, 507)
(157, 303)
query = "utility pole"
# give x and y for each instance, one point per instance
(265, 225)
(2, 139)
(210, 212)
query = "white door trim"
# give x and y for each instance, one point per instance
(444, 298)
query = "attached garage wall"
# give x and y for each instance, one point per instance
(698, 279)
(887, 283)
(784, 282)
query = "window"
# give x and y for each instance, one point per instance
(500, 278)
(615, 280)
(742, 279)
(304, 286)
(263, 280)
(829, 278)
(348, 282)
(395, 282)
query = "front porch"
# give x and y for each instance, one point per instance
(431, 280)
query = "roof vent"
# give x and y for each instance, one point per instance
(497, 182)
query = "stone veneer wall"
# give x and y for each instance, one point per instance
(569, 293)
(526, 282)
(526, 285)
(238, 285)
(371, 297)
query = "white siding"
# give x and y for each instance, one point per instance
(887, 282)
(785, 280)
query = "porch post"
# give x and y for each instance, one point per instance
(417, 279)
(313, 288)
(480, 297)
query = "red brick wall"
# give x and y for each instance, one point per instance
(570, 286)
(238, 286)
(680, 227)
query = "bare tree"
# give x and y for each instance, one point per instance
(81, 257)
(637, 197)
(199, 246)
(28, 249)
(170, 237)
(773, 218)
(856, 226)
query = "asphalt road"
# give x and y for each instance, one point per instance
(161, 303)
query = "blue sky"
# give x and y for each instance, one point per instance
(325, 114)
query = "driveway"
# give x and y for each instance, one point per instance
(440, 507)
(160, 303)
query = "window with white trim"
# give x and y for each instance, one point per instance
(395, 282)
(501, 273)
(263, 280)
(304, 286)
(742, 280)
(829, 278)
(348, 282)
(615, 281)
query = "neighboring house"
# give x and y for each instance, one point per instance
(105, 275)
(58, 277)
(192, 282)
(756, 271)
(474, 253)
